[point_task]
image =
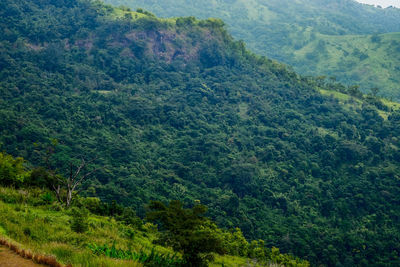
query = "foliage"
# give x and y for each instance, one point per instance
(42, 230)
(47, 198)
(152, 259)
(79, 221)
(47, 231)
(12, 170)
(186, 231)
(342, 38)
(231, 242)
(185, 112)
(41, 178)
(354, 59)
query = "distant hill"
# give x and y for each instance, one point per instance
(178, 109)
(283, 30)
(371, 60)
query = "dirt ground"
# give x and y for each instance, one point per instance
(9, 258)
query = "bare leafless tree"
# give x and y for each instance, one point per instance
(76, 176)
(69, 184)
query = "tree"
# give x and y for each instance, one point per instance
(75, 178)
(375, 91)
(79, 221)
(12, 170)
(187, 231)
(354, 90)
(59, 183)
(76, 174)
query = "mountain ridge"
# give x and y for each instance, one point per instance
(282, 30)
(243, 134)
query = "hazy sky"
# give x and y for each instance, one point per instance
(383, 3)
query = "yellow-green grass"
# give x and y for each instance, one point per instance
(122, 13)
(338, 95)
(46, 231)
(103, 92)
(237, 262)
(391, 104)
(348, 102)
(351, 102)
(2, 231)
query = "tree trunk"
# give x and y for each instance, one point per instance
(69, 196)
(57, 190)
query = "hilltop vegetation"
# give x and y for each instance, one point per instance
(317, 37)
(177, 109)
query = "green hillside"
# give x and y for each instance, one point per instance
(42, 230)
(176, 109)
(289, 30)
(92, 233)
(371, 60)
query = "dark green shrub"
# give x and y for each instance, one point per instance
(187, 231)
(79, 221)
(130, 234)
(47, 198)
(39, 177)
(27, 231)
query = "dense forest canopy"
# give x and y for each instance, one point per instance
(177, 109)
(340, 38)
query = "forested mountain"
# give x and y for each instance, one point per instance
(284, 29)
(177, 109)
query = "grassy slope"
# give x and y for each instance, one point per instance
(352, 103)
(371, 61)
(45, 230)
(50, 233)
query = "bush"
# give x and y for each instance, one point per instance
(79, 222)
(12, 170)
(39, 177)
(27, 231)
(187, 231)
(93, 204)
(47, 198)
(56, 206)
